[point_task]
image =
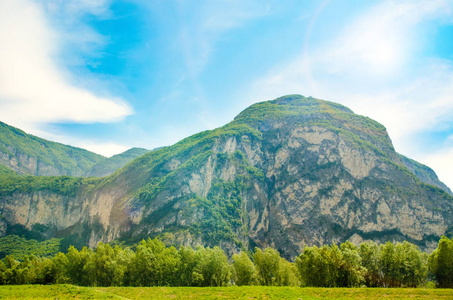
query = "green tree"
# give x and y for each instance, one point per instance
(388, 265)
(188, 262)
(25, 272)
(370, 253)
(413, 265)
(77, 272)
(43, 270)
(351, 270)
(330, 266)
(59, 268)
(402, 265)
(286, 274)
(10, 275)
(267, 264)
(212, 267)
(312, 267)
(244, 270)
(154, 264)
(441, 263)
(103, 266)
(2, 273)
(123, 258)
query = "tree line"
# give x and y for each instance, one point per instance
(154, 264)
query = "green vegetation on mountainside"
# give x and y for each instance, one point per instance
(63, 159)
(150, 172)
(20, 247)
(191, 153)
(62, 185)
(4, 170)
(222, 210)
(225, 216)
(109, 165)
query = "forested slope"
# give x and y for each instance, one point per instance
(28, 154)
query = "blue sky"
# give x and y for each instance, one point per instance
(110, 75)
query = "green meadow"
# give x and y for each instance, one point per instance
(234, 292)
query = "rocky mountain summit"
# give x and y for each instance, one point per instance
(284, 173)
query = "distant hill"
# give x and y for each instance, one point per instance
(22, 153)
(31, 155)
(109, 165)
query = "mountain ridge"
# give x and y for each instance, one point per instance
(27, 154)
(424, 173)
(283, 173)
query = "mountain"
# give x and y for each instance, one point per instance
(284, 173)
(109, 165)
(28, 154)
(424, 173)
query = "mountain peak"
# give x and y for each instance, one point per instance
(290, 106)
(299, 100)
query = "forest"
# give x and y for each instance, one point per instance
(152, 263)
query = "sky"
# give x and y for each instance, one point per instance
(110, 75)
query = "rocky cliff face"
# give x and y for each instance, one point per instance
(25, 164)
(284, 173)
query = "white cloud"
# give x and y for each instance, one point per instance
(76, 35)
(33, 88)
(372, 66)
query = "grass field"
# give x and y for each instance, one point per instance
(254, 292)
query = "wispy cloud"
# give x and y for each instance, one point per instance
(73, 9)
(373, 66)
(34, 88)
(74, 35)
(214, 19)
